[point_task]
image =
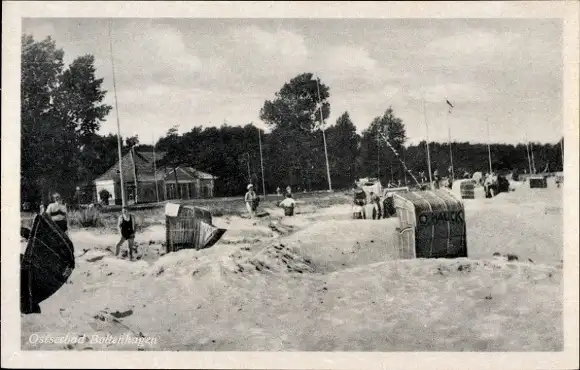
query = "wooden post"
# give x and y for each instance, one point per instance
(135, 174)
(177, 192)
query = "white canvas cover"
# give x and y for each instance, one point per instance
(172, 209)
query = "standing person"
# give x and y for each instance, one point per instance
(376, 201)
(288, 204)
(250, 199)
(57, 212)
(288, 189)
(358, 211)
(436, 179)
(389, 206)
(359, 195)
(126, 226)
(489, 185)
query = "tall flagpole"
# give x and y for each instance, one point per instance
(449, 141)
(532, 153)
(155, 168)
(428, 154)
(451, 155)
(529, 158)
(405, 160)
(378, 156)
(262, 162)
(119, 140)
(488, 146)
(249, 173)
(324, 137)
(528, 151)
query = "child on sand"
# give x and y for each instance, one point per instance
(126, 226)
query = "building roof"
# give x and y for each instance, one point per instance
(145, 169)
(186, 173)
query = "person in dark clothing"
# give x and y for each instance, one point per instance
(503, 185)
(389, 206)
(358, 211)
(359, 195)
(376, 200)
(126, 226)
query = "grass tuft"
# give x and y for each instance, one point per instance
(87, 217)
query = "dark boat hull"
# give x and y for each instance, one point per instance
(47, 262)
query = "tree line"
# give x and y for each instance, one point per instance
(62, 111)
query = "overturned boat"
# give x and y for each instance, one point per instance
(46, 264)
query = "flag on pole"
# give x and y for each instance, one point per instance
(450, 105)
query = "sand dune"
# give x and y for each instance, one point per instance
(320, 282)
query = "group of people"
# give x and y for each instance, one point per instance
(58, 213)
(252, 201)
(360, 201)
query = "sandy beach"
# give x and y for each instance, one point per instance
(319, 281)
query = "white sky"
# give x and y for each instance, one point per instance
(192, 72)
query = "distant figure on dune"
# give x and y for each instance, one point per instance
(359, 195)
(376, 201)
(436, 179)
(490, 185)
(289, 205)
(477, 176)
(358, 211)
(126, 227)
(449, 183)
(389, 206)
(251, 200)
(57, 212)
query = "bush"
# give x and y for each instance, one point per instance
(105, 195)
(87, 217)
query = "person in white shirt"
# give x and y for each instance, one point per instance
(489, 185)
(57, 212)
(288, 204)
(251, 201)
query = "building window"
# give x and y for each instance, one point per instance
(171, 191)
(184, 191)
